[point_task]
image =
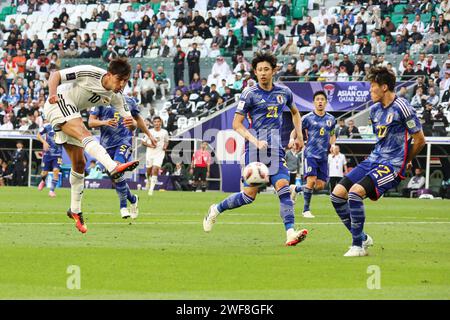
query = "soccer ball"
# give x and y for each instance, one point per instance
(256, 173)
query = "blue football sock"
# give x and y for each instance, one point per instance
(286, 207)
(236, 200)
(307, 195)
(53, 185)
(130, 196)
(341, 207)
(121, 189)
(358, 217)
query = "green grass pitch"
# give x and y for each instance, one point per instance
(166, 255)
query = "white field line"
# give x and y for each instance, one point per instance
(185, 214)
(181, 222)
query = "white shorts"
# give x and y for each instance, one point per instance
(154, 160)
(59, 113)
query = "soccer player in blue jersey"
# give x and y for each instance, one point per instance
(263, 104)
(52, 157)
(394, 122)
(117, 140)
(319, 127)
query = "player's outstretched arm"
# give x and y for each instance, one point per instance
(42, 140)
(297, 134)
(419, 143)
(141, 125)
(94, 122)
(53, 82)
(238, 126)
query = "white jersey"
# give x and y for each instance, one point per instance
(86, 90)
(162, 137)
(336, 165)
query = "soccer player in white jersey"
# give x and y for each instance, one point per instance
(90, 87)
(155, 153)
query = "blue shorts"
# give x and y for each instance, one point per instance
(316, 168)
(383, 176)
(278, 169)
(51, 163)
(120, 154)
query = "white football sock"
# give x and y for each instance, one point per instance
(153, 182)
(94, 149)
(76, 190)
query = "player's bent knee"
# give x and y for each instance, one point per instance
(358, 189)
(340, 191)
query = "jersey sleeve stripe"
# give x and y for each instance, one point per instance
(88, 74)
(245, 94)
(404, 108)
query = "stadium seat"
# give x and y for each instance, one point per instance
(153, 53)
(182, 122)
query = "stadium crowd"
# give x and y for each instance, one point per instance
(339, 44)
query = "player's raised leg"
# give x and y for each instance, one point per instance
(234, 201)
(76, 128)
(76, 185)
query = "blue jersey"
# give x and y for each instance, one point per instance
(112, 137)
(264, 111)
(320, 129)
(391, 126)
(48, 134)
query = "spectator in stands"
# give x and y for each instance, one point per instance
(147, 89)
(195, 84)
(399, 46)
(353, 130)
(290, 74)
(193, 60)
(104, 14)
(119, 23)
(204, 89)
(182, 87)
(7, 124)
(219, 70)
(357, 74)
(178, 61)
(415, 183)
(365, 48)
(432, 99)
(302, 67)
(296, 28)
(94, 171)
(289, 48)
(341, 129)
(304, 39)
(418, 101)
(380, 46)
(440, 123)
(162, 82)
(181, 177)
(409, 73)
(418, 24)
(414, 35)
(388, 26)
(360, 27)
(416, 47)
(342, 75)
(428, 120)
(230, 42)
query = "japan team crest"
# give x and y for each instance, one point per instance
(280, 99)
(389, 118)
(329, 123)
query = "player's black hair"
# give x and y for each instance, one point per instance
(382, 75)
(157, 118)
(264, 56)
(120, 67)
(320, 92)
